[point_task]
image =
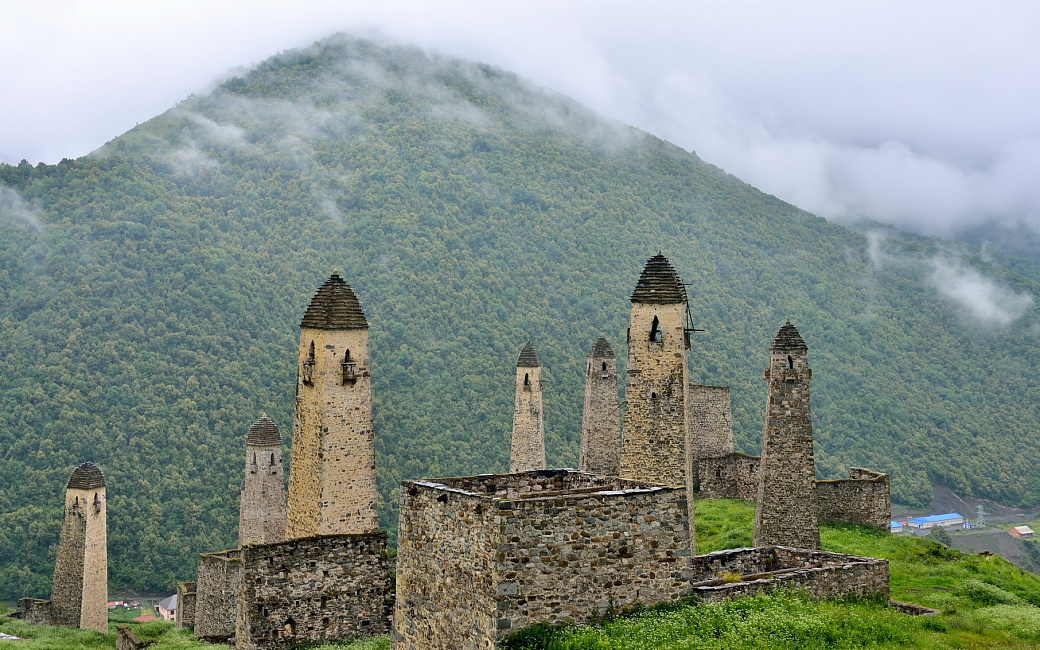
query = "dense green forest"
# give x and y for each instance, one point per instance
(151, 296)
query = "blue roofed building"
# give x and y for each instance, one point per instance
(895, 527)
(949, 519)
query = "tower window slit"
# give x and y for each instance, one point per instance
(790, 362)
(604, 366)
(655, 331)
(527, 379)
(307, 370)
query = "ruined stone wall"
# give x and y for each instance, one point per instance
(446, 596)
(600, 451)
(785, 513)
(863, 498)
(749, 571)
(733, 476)
(568, 550)
(79, 592)
(217, 586)
(527, 449)
(262, 509)
(313, 590)
(711, 421)
(332, 489)
(127, 640)
(185, 615)
(655, 429)
(34, 611)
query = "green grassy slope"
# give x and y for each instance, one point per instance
(150, 296)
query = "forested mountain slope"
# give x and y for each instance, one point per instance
(151, 296)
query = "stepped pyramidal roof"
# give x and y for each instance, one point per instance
(335, 307)
(264, 433)
(528, 357)
(788, 338)
(601, 349)
(87, 476)
(659, 284)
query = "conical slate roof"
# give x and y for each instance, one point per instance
(335, 307)
(87, 476)
(528, 357)
(659, 284)
(601, 349)
(788, 338)
(264, 433)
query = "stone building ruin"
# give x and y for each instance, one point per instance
(527, 448)
(79, 592)
(600, 451)
(261, 518)
(482, 556)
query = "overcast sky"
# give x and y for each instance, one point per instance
(921, 114)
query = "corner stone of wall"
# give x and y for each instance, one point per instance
(186, 597)
(313, 590)
(127, 640)
(217, 586)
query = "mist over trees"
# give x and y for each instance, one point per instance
(149, 308)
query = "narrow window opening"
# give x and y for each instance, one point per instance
(718, 472)
(290, 628)
(307, 371)
(527, 379)
(653, 395)
(790, 362)
(272, 459)
(604, 366)
(349, 369)
(97, 504)
(655, 331)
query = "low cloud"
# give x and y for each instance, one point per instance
(14, 208)
(980, 297)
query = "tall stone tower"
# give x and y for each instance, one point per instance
(786, 511)
(655, 423)
(79, 594)
(600, 422)
(332, 488)
(527, 451)
(261, 510)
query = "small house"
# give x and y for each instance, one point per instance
(1024, 532)
(949, 519)
(167, 608)
(895, 527)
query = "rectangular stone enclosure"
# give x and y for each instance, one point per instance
(749, 571)
(479, 557)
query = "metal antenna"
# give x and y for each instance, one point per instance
(980, 519)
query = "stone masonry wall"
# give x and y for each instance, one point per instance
(785, 513)
(569, 546)
(733, 476)
(34, 611)
(446, 595)
(127, 640)
(217, 585)
(79, 592)
(864, 498)
(600, 451)
(766, 569)
(313, 590)
(527, 446)
(332, 488)
(711, 421)
(185, 615)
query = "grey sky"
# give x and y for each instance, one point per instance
(924, 114)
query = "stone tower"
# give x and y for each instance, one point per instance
(786, 512)
(600, 423)
(80, 590)
(261, 511)
(655, 445)
(711, 421)
(332, 488)
(527, 451)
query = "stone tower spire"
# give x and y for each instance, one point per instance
(786, 512)
(261, 513)
(80, 590)
(332, 488)
(655, 428)
(528, 447)
(600, 424)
